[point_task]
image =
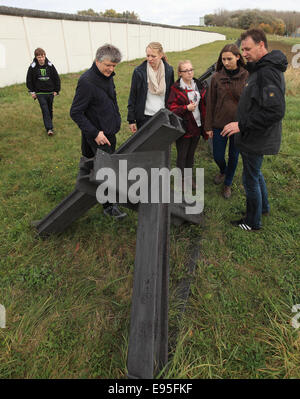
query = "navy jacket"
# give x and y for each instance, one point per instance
(139, 89)
(42, 78)
(94, 106)
(262, 106)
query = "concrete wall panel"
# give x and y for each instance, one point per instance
(13, 47)
(71, 44)
(119, 37)
(100, 34)
(78, 44)
(145, 39)
(134, 39)
(46, 33)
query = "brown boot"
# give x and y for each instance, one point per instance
(227, 192)
(219, 178)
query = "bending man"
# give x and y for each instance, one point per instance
(258, 130)
(95, 109)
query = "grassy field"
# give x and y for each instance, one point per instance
(230, 33)
(234, 33)
(68, 297)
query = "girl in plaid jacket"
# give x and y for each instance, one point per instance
(187, 100)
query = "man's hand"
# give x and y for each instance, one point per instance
(132, 127)
(33, 95)
(55, 94)
(230, 129)
(101, 139)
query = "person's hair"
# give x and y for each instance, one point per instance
(108, 52)
(257, 35)
(230, 48)
(180, 63)
(157, 46)
(39, 51)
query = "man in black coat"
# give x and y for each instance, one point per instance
(258, 130)
(95, 109)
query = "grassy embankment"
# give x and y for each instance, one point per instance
(68, 297)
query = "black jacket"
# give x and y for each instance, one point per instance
(139, 89)
(262, 106)
(42, 78)
(94, 106)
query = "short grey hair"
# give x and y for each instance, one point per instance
(108, 52)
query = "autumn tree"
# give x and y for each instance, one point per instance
(111, 13)
(277, 22)
(209, 19)
(89, 12)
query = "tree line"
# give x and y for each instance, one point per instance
(271, 21)
(110, 14)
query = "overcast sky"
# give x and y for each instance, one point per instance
(170, 12)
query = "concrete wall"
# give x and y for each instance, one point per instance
(71, 44)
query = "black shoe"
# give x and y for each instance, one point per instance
(219, 178)
(243, 225)
(114, 212)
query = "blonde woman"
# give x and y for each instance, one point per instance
(150, 86)
(187, 100)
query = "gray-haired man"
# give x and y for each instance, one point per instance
(95, 109)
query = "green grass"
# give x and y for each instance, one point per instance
(234, 33)
(68, 297)
(230, 33)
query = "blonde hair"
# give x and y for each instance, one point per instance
(180, 63)
(157, 46)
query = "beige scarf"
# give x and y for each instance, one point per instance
(156, 79)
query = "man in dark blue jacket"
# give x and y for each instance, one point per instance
(260, 112)
(95, 109)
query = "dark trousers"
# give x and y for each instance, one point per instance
(46, 104)
(142, 122)
(93, 146)
(110, 149)
(219, 149)
(186, 148)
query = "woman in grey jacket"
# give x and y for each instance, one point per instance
(150, 87)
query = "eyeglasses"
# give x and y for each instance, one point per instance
(187, 71)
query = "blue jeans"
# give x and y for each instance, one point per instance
(219, 148)
(46, 104)
(255, 189)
